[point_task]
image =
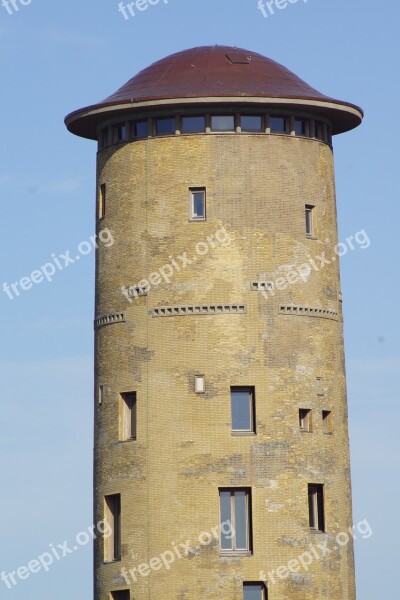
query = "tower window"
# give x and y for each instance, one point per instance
(278, 125)
(300, 127)
(100, 394)
(165, 126)
(251, 123)
(101, 209)
(121, 595)
(309, 213)
(316, 507)
(197, 208)
(129, 415)
(305, 419)
(320, 391)
(319, 130)
(199, 384)
(193, 124)
(243, 409)
(223, 123)
(103, 139)
(255, 591)
(120, 133)
(327, 421)
(235, 520)
(112, 543)
(141, 129)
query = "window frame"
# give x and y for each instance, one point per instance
(101, 202)
(286, 122)
(188, 132)
(128, 412)
(305, 420)
(316, 507)
(252, 409)
(249, 533)
(246, 130)
(116, 594)
(158, 120)
(112, 515)
(192, 192)
(310, 223)
(261, 584)
(230, 116)
(327, 422)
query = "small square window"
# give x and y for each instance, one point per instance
(251, 123)
(141, 129)
(197, 204)
(112, 543)
(327, 421)
(316, 507)
(199, 384)
(193, 124)
(305, 419)
(223, 123)
(129, 416)
(235, 520)
(309, 214)
(101, 208)
(300, 127)
(120, 595)
(165, 126)
(243, 409)
(278, 124)
(255, 591)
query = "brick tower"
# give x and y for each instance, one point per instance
(221, 440)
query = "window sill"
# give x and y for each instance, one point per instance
(110, 562)
(235, 554)
(311, 237)
(128, 440)
(317, 532)
(306, 431)
(328, 432)
(243, 433)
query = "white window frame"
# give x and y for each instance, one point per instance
(192, 192)
(234, 550)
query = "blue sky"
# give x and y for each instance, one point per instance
(60, 56)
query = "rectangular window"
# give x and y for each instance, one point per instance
(100, 395)
(300, 127)
(103, 140)
(255, 591)
(235, 520)
(278, 124)
(316, 507)
(141, 129)
(305, 419)
(223, 123)
(327, 421)
(101, 209)
(309, 212)
(112, 543)
(319, 130)
(199, 384)
(129, 415)
(193, 124)
(243, 409)
(251, 123)
(120, 133)
(320, 391)
(165, 126)
(120, 595)
(197, 208)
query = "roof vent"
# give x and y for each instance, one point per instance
(238, 58)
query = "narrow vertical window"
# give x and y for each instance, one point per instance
(199, 384)
(120, 595)
(243, 409)
(100, 395)
(102, 202)
(235, 520)
(320, 390)
(305, 419)
(129, 415)
(327, 421)
(197, 208)
(255, 591)
(316, 507)
(309, 220)
(112, 543)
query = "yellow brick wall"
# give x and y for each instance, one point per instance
(257, 187)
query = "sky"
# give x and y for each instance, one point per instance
(60, 56)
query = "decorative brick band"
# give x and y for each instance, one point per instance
(109, 319)
(137, 290)
(210, 309)
(308, 311)
(258, 286)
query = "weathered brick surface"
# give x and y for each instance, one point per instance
(257, 187)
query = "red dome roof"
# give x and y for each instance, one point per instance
(215, 74)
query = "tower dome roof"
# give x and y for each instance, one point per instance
(210, 75)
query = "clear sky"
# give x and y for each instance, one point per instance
(60, 56)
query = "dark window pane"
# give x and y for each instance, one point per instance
(278, 124)
(320, 503)
(141, 129)
(319, 131)
(133, 416)
(241, 520)
(165, 126)
(311, 509)
(252, 591)
(300, 126)
(241, 410)
(251, 123)
(121, 133)
(225, 511)
(223, 123)
(193, 124)
(198, 204)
